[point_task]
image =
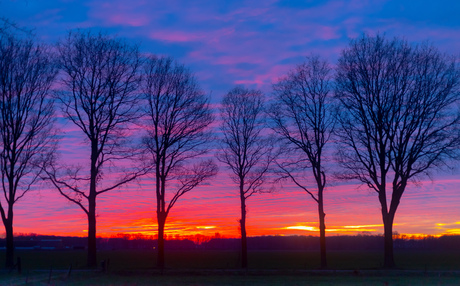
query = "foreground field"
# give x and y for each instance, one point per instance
(279, 260)
(250, 278)
(221, 268)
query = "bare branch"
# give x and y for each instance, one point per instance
(128, 177)
(177, 116)
(399, 116)
(26, 118)
(76, 197)
(287, 174)
(244, 147)
(99, 78)
(189, 179)
(303, 118)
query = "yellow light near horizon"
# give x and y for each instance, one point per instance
(453, 231)
(346, 228)
(362, 226)
(206, 227)
(349, 229)
(302, 227)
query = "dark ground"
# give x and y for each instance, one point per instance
(198, 267)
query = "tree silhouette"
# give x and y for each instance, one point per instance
(245, 149)
(177, 116)
(302, 116)
(26, 122)
(399, 117)
(100, 77)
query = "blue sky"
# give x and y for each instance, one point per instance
(242, 42)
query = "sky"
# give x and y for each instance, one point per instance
(251, 43)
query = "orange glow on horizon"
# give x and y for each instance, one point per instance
(200, 236)
(204, 233)
(214, 209)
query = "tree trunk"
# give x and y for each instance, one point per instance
(388, 260)
(161, 218)
(244, 242)
(92, 251)
(322, 233)
(92, 254)
(9, 263)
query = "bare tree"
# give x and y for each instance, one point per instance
(100, 77)
(26, 124)
(177, 117)
(245, 148)
(302, 116)
(399, 117)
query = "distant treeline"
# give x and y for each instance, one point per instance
(289, 243)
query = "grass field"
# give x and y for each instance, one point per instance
(250, 278)
(210, 280)
(221, 268)
(281, 260)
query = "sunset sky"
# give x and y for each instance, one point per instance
(251, 43)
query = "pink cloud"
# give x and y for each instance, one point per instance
(130, 20)
(182, 36)
(174, 36)
(328, 33)
(121, 13)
